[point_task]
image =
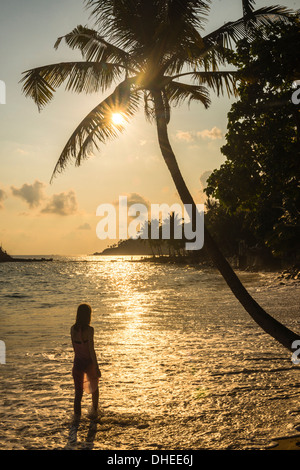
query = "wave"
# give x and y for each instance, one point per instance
(17, 296)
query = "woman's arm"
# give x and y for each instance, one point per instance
(92, 349)
(71, 333)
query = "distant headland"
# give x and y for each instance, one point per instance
(6, 258)
(173, 252)
(162, 251)
(128, 247)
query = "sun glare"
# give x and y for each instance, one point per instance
(118, 119)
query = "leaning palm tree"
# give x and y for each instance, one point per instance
(158, 53)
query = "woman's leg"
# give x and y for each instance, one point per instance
(95, 399)
(77, 402)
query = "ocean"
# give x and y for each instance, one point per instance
(183, 365)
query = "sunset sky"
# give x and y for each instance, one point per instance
(60, 218)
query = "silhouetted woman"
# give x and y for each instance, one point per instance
(85, 371)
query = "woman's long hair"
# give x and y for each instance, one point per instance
(83, 317)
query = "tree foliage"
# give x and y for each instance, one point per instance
(260, 177)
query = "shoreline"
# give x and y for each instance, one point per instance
(291, 272)
(283, 275)
(25, 260)
(286, 271)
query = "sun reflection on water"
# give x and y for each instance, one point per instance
(175, 352)
(133, 299)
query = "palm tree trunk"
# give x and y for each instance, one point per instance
(269, 324)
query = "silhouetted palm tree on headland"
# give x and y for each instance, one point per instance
(148, 46)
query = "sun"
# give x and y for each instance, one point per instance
(117, 119)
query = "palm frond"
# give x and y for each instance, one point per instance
(239, 29)
(97, 127)
(40, 83)
(149, 106)
(208, 57)
(93, 46)
(248, 7)
(120, 21)
(183, 54)
(189, 11)
(219, 81)
(180, 22)
(179, 92)
(142, 26)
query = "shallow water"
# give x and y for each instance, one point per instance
(183, 365)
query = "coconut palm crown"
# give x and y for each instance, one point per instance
(156, 55)
(147, 47)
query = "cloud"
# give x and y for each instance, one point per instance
(85, 226)
(2, 197)
(33, 194)
(204, 177)
(62, 204)
(134, 198)
(213, 134)
(185, 135)
(22, 151)
(191, 136)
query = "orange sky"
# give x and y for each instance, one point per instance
(39, 218)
